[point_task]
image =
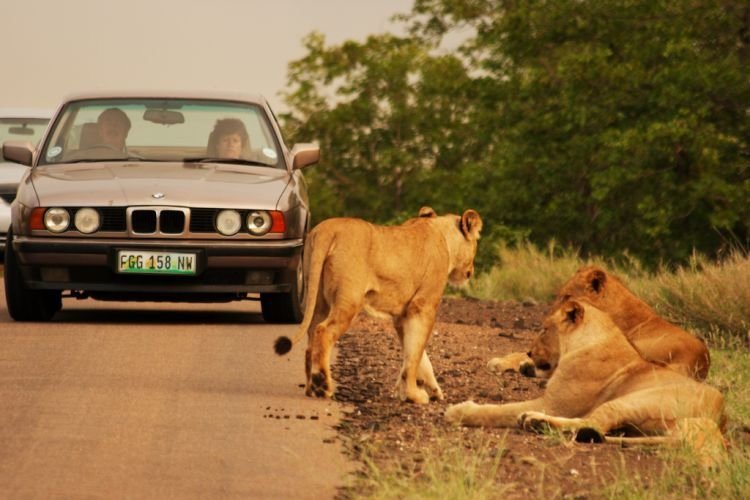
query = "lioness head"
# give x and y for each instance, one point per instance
(462, 245)
(545, 351)
(590, 282)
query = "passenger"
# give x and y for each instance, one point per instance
(229, 139)
(113, 126)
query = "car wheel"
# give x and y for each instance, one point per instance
(23, 303)
(286, 307)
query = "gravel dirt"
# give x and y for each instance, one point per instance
(399, 436)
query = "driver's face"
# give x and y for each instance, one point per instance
(112, 133)
(230, 146)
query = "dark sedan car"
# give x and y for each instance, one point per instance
(144, 197)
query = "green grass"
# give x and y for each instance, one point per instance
(446, 471)
(683, 477)
(730, 372)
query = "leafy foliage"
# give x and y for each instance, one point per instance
(609, 125)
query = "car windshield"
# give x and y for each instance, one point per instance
(21, 129)
(184, 130)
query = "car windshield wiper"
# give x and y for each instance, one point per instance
(235, 161)
(94, 160)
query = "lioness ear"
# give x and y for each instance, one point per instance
(471, 224)
(596, 280)
(573, 312)
(427, 212)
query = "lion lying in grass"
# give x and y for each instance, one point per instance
(602, 384)
(656, 339)
(398, 271)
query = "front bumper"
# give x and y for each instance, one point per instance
(222, 267)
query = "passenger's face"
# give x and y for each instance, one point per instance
(230, 146)
(112, 133)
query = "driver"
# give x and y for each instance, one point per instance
(113, 127)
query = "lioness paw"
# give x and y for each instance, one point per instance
(510, 363)
(533, 421)
(455, 414)
(419, 396)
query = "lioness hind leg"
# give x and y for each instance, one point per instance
(321, 311)
(415, 331)
(324, 337)
(426, 375)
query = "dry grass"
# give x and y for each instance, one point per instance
(713, 297)
(526, 273)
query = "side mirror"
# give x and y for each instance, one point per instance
(18, 151)
(304, 154)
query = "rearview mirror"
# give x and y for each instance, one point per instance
(304, 154)
(21, 130)
(163, 116)
(18, 151)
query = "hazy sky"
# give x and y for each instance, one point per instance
(52, 48)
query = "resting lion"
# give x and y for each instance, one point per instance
(602, 384)
(398, 271)
(655, 338)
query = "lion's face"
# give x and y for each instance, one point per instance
(463, 245)
(558, 326)
(545, 351)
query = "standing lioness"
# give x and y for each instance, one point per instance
(399, 271)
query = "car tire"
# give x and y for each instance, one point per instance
(25, 304)
(286, 307)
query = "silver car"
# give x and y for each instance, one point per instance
(16, 124)
(159, 197)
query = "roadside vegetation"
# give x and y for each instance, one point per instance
(446, 471)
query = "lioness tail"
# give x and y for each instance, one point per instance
(316, 252)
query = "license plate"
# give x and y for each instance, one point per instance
(140, 262)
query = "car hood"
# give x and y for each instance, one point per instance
(154, 183)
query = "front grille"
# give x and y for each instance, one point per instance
(113, 219)
(202, 220)
(172, 222)
(157, 220)
(143, 221)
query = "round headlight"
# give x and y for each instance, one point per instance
(56, 220)
(258, 222)
(228, 222)
(87, 220)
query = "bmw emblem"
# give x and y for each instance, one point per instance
(158, 196)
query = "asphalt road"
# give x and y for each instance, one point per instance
(116, 400)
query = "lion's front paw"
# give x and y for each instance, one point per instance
(528, 369)
(419, 396)
(320, 386)
(533, 421)
(499, 366)
(436, 393)
(509, 363)
(456, 414)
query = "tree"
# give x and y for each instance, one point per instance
(624, 124)
(612, 125)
